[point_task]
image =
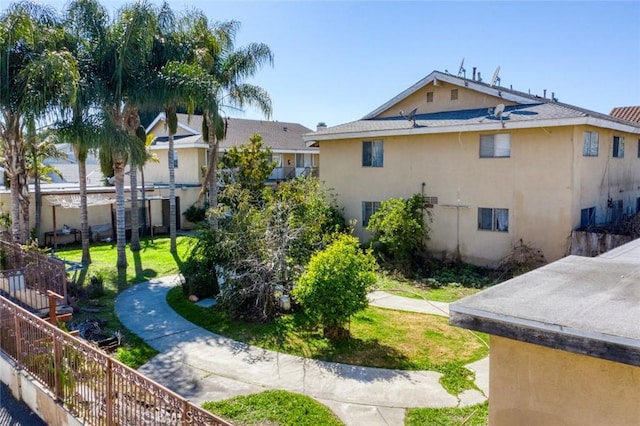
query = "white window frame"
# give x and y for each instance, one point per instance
(499, 219)
(591, 216)
(368, 209)
(590, 144)
(375, 156)
(496, 145)
(618, 147)
(304, 160)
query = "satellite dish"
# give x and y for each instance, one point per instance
(411, 116)
(499, 110)
(495, 77)
(461, 69)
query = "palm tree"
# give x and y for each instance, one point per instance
(216, 54)
(123, 65)
(40, 146)
(37, 73)
(86, 22)
(177, 84)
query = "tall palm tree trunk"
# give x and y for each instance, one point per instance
(134, 245)
(131, 124)
(121, 243)
(172, 195)
(84, 210)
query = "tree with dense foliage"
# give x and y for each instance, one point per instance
(37, 72)
(400, 232)
(262, 244)
(248, 166)
(335, 284)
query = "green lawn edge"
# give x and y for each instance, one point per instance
(474, 415)
(274, 407)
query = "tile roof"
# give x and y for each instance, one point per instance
(629, 113)
(277, 135)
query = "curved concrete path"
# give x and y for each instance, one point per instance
(203, 366)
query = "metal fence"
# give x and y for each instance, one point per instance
(94, 387)
(25, 276)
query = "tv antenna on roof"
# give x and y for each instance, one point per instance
(461, 69)
(411, 116)
(496, 78)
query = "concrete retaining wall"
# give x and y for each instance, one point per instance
(591, 244)
(34, 396)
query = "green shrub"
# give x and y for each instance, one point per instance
(335, 285)
(196, 213)
(199, 269)
(400, 233)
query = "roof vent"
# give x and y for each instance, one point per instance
(321, 126)
(285, 128)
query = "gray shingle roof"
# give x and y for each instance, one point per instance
(277, 135)
(516, 113)
(530, 110)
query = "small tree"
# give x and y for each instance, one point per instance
(400, 232)
(335, 285)
(249, 165)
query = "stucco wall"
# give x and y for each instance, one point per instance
(602, 177)
(534, 186)
(534, 385)
(467, 99)
(189, 170)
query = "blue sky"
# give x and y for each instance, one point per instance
(337, 61)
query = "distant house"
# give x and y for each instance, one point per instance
(289, 152)
(500, 167)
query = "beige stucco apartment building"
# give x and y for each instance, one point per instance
(500, 167)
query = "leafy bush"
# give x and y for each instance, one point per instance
(199, 269)
(335, 285)
(400, 232)
(196, 213)
(267, 243)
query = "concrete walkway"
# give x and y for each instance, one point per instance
(203, 366)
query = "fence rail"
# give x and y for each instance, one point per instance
(26, 276)
(93, 386)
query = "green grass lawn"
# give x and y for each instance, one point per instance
(429, 289)
(153, 260)
(476, 415)
(274, 408)
(379, 338)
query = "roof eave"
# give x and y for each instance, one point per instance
(313, 139)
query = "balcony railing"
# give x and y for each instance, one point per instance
(26, 276)
(288, 173)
